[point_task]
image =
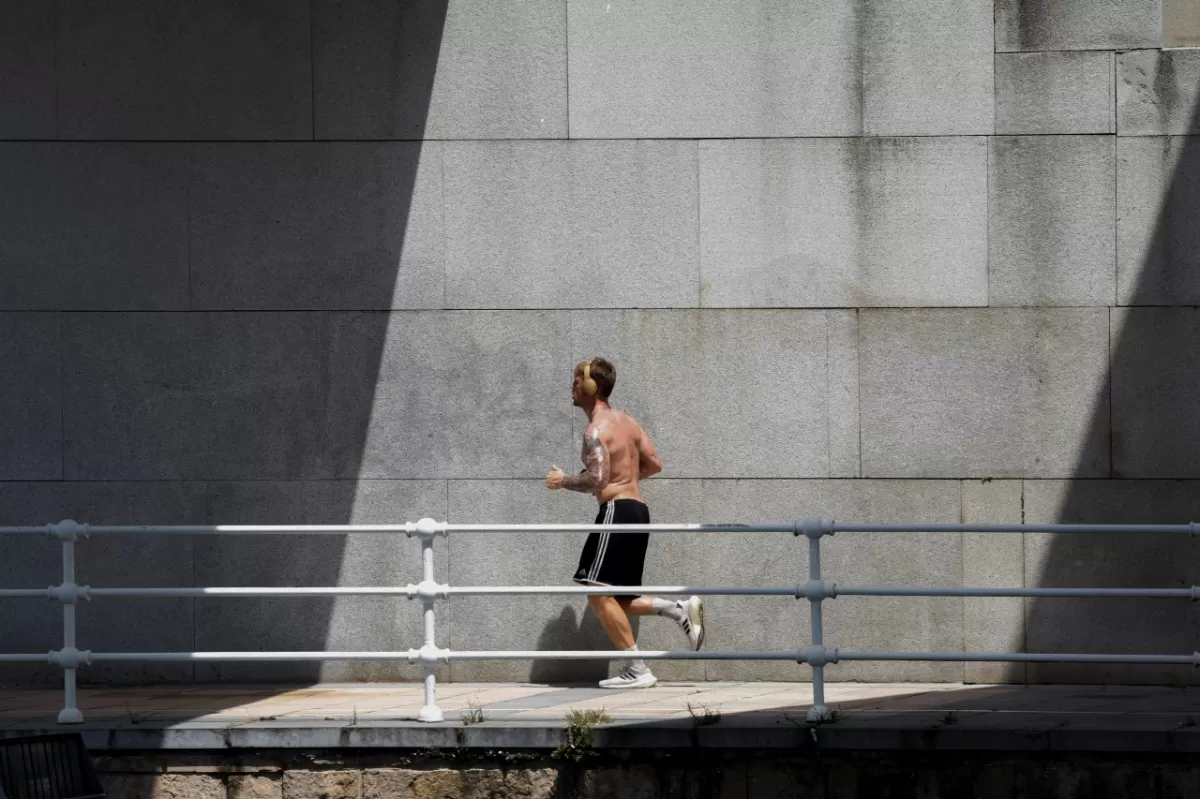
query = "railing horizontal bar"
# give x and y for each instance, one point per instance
(454, 591)
(1145, 593)
(230, 529)
(622, 655)
(249, 592)
(1018, 657)
(854, 527)
(618, 590)
(842, 655)
(97, 657)
(788, 527)
(656, 590)
(342, 529)
(122, 657)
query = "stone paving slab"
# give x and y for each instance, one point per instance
(941, 716)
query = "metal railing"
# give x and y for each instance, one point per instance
(816, 590)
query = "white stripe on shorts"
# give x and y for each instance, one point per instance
(602, 544)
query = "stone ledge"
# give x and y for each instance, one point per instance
(378, 720)
(991, 731)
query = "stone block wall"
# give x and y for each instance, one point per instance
(330, 261)
(701, 773)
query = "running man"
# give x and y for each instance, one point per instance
(617, 453)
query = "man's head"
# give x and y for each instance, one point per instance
(597, 370)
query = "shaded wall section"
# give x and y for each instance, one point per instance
(202, 289)
(1151, 413)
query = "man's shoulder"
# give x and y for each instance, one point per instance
(627, 425)
(634, 423)
(615, 423)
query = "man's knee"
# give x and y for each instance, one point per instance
(598, 601)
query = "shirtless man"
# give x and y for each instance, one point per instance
(617, 453)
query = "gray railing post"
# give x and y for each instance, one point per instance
(816, 591)
(68, 593)
(429, 590)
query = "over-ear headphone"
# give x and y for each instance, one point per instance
(588, 385)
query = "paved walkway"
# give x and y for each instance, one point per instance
(718, 714)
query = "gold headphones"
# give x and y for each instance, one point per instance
(588, 385)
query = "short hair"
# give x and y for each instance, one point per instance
(603, 372)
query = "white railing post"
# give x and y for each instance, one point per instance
(816, 655)
(68, 593)
(429, 590)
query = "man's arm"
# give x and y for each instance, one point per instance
(649, 464)
(595, 461)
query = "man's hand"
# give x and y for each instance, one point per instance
(554, 479)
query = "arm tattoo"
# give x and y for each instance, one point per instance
(595, 458)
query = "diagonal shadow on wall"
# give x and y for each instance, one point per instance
(1148, 406)
(357, 203)
(255, 404)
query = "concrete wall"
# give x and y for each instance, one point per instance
(332, 261)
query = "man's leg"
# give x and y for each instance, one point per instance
(639, 606)
(687, 613)
(611, 612)
(614, 613)
(613, 618)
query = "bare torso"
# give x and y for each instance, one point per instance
(626, 443)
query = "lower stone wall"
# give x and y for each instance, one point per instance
(646, 775)
(338, 784)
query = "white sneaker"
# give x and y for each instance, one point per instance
(692, 621)
(630, 679)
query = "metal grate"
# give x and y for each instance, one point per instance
(47, 767)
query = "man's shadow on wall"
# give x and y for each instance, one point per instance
(568, 631)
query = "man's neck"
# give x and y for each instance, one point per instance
(597, 406)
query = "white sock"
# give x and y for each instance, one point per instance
(666, 607)
(637, 666)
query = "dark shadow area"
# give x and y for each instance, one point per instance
(253, 407)
(340, 214)
(1034, 23)
(1147, 410)
(569, 633)
(32, 767)
(1015, 741)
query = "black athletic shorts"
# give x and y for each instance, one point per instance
(615, 558)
